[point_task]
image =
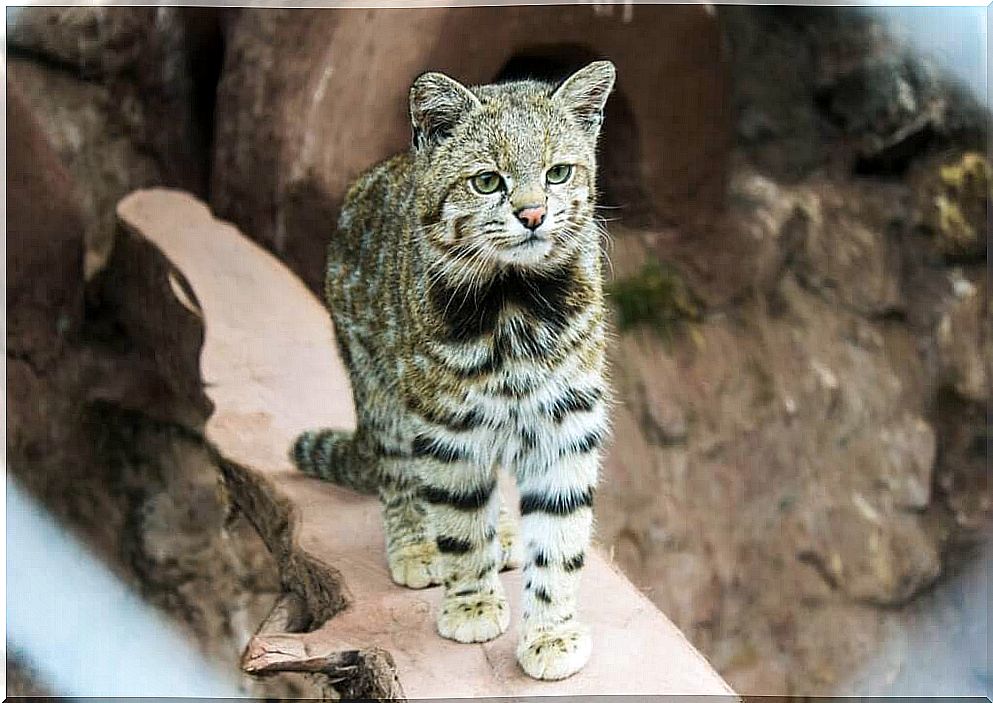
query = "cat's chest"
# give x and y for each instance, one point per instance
(523, 396)
(516, 309)
(532, 423)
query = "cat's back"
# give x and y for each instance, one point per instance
(372, 216)
(374, 201)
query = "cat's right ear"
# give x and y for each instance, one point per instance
(437, 104)
(585, 92)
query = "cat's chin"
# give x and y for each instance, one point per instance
(531, 253)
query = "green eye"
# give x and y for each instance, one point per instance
(558, 174)
(486, 183)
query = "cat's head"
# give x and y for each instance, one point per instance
(506, 173)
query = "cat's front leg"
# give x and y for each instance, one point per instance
(556, 526)
(463, 506)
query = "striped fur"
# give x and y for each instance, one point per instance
(474, 344)
(331, 455)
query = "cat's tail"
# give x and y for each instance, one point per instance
(332, 455)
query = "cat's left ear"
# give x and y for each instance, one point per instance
(437, 104)
(585, 92)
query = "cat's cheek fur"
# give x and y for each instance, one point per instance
(452, 227)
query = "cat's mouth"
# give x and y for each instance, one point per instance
(530, 240)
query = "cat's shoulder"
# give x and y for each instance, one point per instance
(392, 173)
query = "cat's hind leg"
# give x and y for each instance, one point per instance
(411, 551)
(510, 552)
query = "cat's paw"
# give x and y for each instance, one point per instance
(554, 652)
(415, 565)
(510, 553)
(474, 617)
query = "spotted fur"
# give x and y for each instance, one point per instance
(475, 340)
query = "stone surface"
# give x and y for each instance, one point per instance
(118, 94)
(79, 118)
(800, 491)
(821, 88)
(269, 367)
(22, 679)
(840, 239)
(849, 252)
(44, 243)
(310, 98)
(833, 384)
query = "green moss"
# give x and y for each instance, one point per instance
(657, 297)
(765, 384)
(961, 196)
(786, 503)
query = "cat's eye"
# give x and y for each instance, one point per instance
(487, 183)
(558, 174)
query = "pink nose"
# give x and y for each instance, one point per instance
(531, 216)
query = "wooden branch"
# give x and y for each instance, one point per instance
(269, 367)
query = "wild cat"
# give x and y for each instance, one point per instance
(464, 283)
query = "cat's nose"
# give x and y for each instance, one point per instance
(531, 216)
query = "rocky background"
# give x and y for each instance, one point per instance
(803, 349)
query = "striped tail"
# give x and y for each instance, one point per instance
(332, 455)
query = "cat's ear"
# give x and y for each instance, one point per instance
(437, 104)
(585, 92)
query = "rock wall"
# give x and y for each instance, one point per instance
(804, 437)
(120, 95)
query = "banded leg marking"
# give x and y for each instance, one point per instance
(410, 546)
(556, 527)
(463, 507)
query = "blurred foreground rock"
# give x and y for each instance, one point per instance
(119, 93)
(101, 425)
(45, 245)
